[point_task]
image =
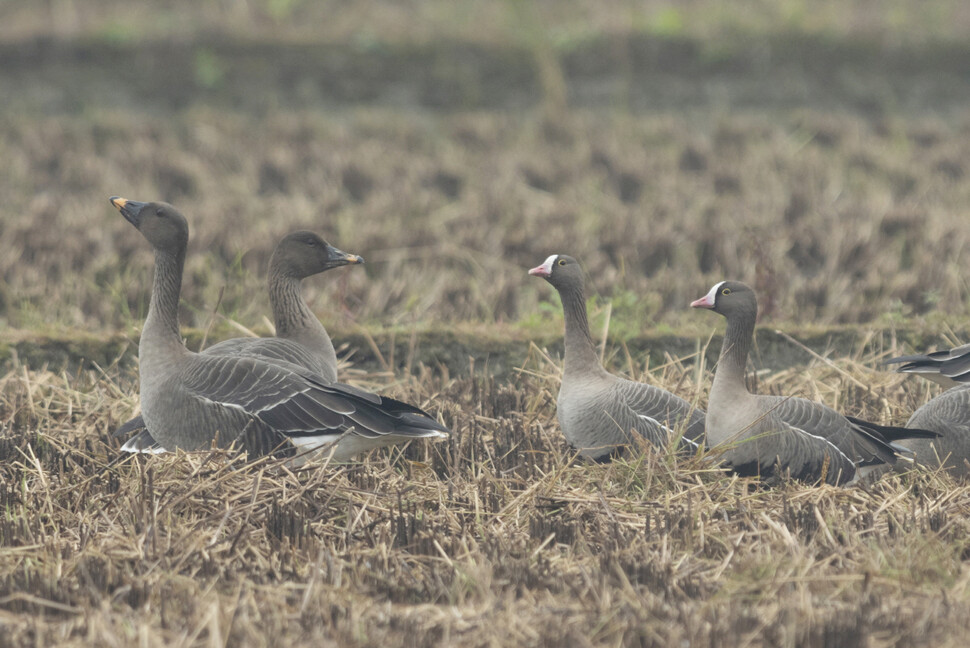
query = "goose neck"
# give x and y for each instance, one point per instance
(734, 354)
(580, 352)
(290, 310)
(162, 323)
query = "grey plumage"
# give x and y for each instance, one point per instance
(300, 337)
(600, 413)
(948, 367)
(949, 415)
(191, 400)
(772, 436)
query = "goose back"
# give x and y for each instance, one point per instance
(600, 419)
(278, 350)
(947, 368)
(949, 415)
(772, 437)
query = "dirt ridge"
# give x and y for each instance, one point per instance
(459, 352)
(447, 75)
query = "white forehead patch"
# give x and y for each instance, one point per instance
(713, 293)
(547, 264)
(707, 301)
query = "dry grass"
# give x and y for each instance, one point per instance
(496, 537)
(868, 228)
(839, 193)
(837, 188)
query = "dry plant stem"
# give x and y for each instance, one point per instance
(448, 540)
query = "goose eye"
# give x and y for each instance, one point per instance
(726, 291)
(562, 262)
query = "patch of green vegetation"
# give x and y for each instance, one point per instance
(281, 10)
(668, 21)
(67, 351)
(502, 22)
(116, 33)
(209, 69)
(630, 313)
(547, 315)
(502, 348)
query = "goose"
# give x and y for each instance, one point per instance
(300, 337)
(949, 416)
(600, 413)
(947, 368)
(192, 400)
(773, 436)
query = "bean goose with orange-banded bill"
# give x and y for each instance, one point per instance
(191, 400)
(300, 337)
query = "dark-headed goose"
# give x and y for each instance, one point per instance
(599, 412)
(190, 400)
(300, 337)
(772, 436)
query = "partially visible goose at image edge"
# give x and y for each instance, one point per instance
(947, 368)
(190, 400)
(598, 412)
(300, 337)
(773, 436)
(949, 416)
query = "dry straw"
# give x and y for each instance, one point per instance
(498, 536)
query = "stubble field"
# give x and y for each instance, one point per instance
(820, 156)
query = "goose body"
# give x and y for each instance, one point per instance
(772, 436)
(300, 337)
(599, 417)
(948, 415)
(600, 413)
(191, 400)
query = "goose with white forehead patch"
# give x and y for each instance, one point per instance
(600, 413)
(773, 436)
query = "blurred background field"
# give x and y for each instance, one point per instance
(819, 150)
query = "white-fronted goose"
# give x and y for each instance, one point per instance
(773, 436)
(300, 337)
(190, 400)
(600, 413)
(948, 415)
(946, 368)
